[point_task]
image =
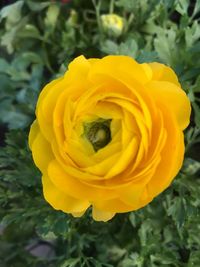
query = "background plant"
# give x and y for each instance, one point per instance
(38, 39)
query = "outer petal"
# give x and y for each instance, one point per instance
(171, 156)
(77, 214)
(116, 65)
(79, 67)
(112, 205)
(46, 104)
(34, 130)
(73, 187)
(131, 194)
(174, 98)
(61, 201)
(162, 72)
(42, 153)
(168, 168)
(100, 215)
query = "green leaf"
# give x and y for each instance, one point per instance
(197, 113)
(182, 6)
(128, 5)
(37, 6)
(71, 262)
(30, 31)
(177, 211)
(110, 47)
(165, 45)
(147, 56)
(12, 13)
(192, 34)
(4, 66)
(127, 48)
(14, 118)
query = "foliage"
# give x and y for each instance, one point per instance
(38, 39)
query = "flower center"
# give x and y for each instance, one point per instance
(98, 133)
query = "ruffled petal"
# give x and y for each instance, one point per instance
(75, 188)
(42, 153)
(174, 98)
(118, 65)
(162, 72)
(171, 156)
(61, 201)
(34, 130)
(101, 215)
(79, 67)
(112, 205)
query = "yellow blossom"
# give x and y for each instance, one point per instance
(109, 134)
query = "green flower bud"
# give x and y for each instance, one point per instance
(98, 133)
(112, 24)
(73, 18)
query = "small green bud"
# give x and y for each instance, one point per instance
(73, 18)
(112, 24)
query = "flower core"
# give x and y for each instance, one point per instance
(98, 133)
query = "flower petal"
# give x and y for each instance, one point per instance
(34, 130)
(60, 200)
(42, 153)
(79, 67)
(116, 65)
(162, 72)
(75, 188)
(112, 205)
(174, 98)
(171, 156)
(100, 215)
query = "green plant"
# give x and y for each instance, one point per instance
(38, 39)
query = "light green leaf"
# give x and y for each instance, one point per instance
(70, 262)
(110, 47)
(12, 13)
(182, 6)
(128, 48)
(165, 45)
(192, 34)
(37, 6)
(4, 66)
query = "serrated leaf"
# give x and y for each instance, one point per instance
(110, 47)
(192, 34)
(178, 212)
(165, 45)
(182, 6)
(128, 48)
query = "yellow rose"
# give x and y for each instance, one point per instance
(109, 134)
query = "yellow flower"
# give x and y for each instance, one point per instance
(109, 134)
(112, 24)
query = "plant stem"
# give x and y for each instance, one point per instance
(112, 4)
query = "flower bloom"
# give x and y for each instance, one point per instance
(109, 134)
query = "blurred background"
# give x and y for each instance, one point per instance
(37, 41)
